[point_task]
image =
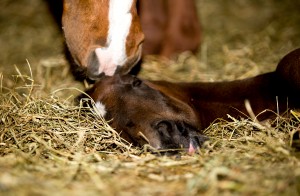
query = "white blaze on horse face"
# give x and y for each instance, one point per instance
(114, 54)
(100, 108)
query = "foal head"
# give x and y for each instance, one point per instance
(146, 116)
(103, 37)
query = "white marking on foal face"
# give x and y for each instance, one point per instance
(100, 108)
(114, 54)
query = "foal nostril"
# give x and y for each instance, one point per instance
(164, 128)
(182, 128)
(198, 141)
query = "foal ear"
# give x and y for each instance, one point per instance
(136, 82)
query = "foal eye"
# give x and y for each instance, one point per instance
(136, 82)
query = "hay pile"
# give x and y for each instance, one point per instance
(30, 122)
(49, 145)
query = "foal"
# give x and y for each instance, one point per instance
(171, 115)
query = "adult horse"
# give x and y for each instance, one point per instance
(105, 37)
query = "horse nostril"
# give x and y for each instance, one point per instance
(93, 67)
